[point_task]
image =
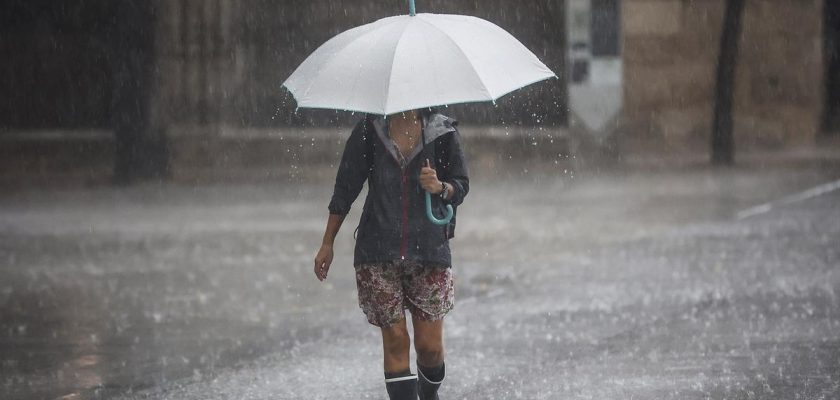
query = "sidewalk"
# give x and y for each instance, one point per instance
(606, 284)
(79, 158)
(85, 158)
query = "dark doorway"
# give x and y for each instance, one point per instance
(55, 71)
(82, 64)
(831, 122)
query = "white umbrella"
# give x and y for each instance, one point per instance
(408, 62)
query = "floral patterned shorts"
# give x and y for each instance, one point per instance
(387, 289)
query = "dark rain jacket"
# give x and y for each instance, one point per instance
(393, 225)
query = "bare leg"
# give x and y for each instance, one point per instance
(428, 342)
(396, 345)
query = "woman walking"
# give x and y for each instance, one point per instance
(402, 259)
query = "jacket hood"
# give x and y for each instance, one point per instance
(435, 125)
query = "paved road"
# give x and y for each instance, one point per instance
(617, 285)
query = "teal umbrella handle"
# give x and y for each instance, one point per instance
(431, 215)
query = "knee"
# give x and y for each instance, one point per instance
(429, 352)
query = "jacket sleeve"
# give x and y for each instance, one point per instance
(352, 172)
(454, 166)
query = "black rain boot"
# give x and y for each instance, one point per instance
(427, 388)
(402, 388)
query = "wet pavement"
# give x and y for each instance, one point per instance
(617, 285)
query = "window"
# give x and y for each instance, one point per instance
(605, 28)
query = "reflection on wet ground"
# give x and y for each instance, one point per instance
(615, 285)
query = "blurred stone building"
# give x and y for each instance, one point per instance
(202, 79)
(786, 85)
(224, 60)
(177, 84)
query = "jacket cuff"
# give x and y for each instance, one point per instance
(453, 195)
(338, 208)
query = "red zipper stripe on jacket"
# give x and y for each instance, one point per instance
(404, 187)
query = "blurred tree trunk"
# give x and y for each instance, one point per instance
(723, 142)
(831, 51)
(140, 147)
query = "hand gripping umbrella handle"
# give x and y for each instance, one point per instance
(431, 215)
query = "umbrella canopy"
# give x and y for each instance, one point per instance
(407, 62)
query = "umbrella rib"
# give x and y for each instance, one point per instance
(359, 72)
(434, 69)
(321, 70)
(463, 53)
(391, 70)
(472, 21)
(343, 48)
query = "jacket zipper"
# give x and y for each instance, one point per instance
(404, 235)
(404, 187)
